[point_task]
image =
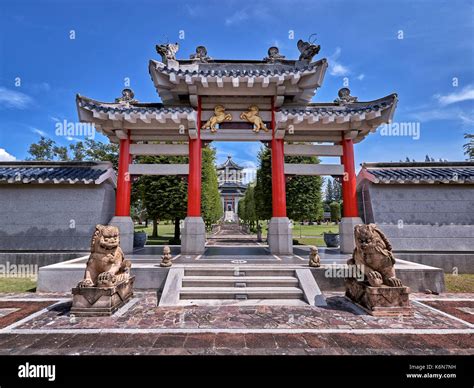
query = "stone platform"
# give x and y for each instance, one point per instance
(62, 277)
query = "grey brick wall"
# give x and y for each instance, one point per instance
(434, 217)
(37, 217)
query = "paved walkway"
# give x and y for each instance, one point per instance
(41, 324)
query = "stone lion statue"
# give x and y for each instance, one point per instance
(373, 252)
(106, 266)
(252, 117)
(314, 259)
(219, 117)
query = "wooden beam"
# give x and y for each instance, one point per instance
(158, 169)
(313, 169)
(159, 149)
(312, 150)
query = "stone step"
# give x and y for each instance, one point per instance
(241, 294)
(238, 272)
(240, 281)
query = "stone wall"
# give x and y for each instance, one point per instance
(437, 217)
(38, 217)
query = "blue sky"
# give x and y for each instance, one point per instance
(431, 67)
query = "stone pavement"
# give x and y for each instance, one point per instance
(41, 324)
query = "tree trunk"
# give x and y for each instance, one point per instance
(176, 228)
(155, 228)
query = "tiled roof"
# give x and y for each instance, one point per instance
(229, 163)
(56, 172)
(106, 107)
(340, 110)
(421, 172)
(241, 69)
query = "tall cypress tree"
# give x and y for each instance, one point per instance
(211, 205)
(263, 186)
(303, 193)
(164, 197)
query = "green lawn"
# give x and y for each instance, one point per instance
(165, 232)
(11, 284)
(310, 234)
(459, 283)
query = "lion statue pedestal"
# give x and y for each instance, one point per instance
(107, 284)
(381, 293)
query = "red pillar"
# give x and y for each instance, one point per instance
(194, 179)
(278, 172)
(124, 183)
(349, 193)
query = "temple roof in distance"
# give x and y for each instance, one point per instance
(418, 172)
(47, 172)
(230, 164)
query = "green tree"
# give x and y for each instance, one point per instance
(211, 205)
(164, 197)
(249, 202)
(241, 210)
(263, 186)
(303, 193)
(337, 190)
(47, 149)
(335, 211)
(329, 195)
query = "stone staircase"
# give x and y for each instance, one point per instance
(240, 285)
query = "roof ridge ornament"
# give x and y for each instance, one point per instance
(273, 55)
(127, 97)
(200, 55)
(308, 50)
(167, 51)
(345, 97)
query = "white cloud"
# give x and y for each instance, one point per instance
(466, 118)
(5, 156)
(361, 76)
(40, 87)
(465, 94)
(336, 68)
(237, 17)
(55, 119)
(249, 13)
(38, 131)
(14, 99)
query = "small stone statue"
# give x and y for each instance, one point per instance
(252, 117)
(345, 97)
(307, 50)
(200, 55)
(166, 258)
(167, 51)
(273, 55)
(219, 117)
(127, 97)
(314, 259)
